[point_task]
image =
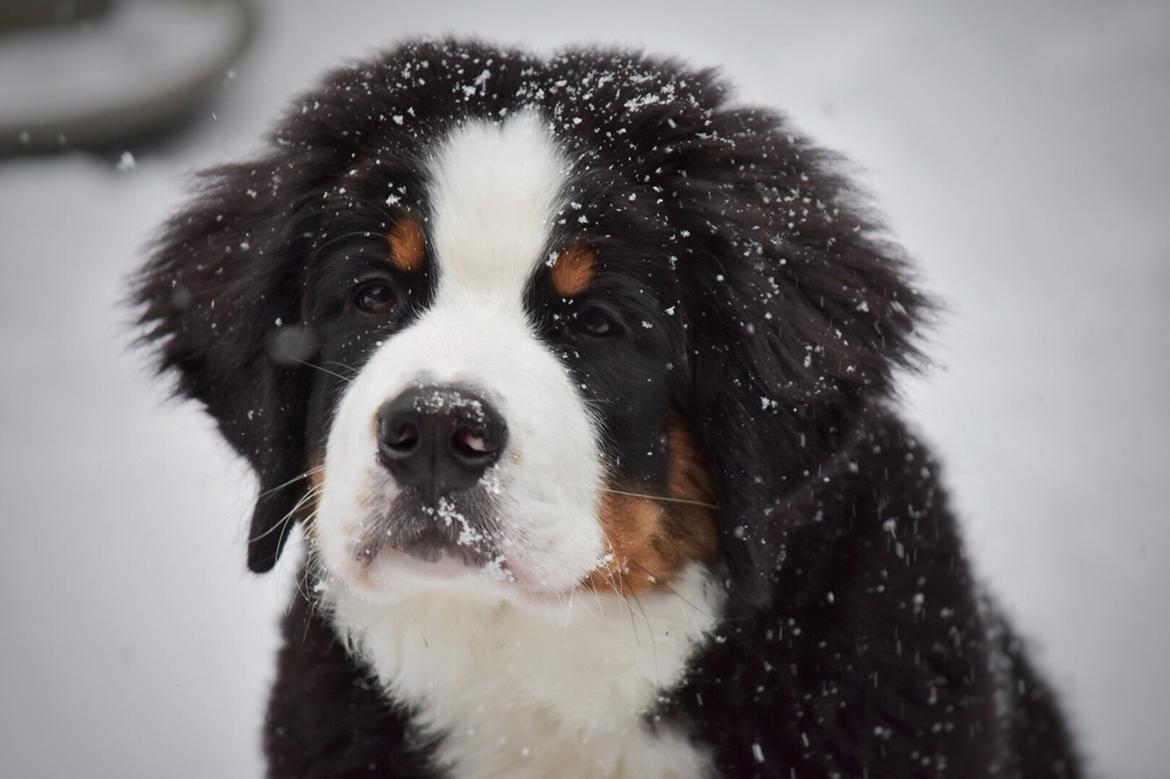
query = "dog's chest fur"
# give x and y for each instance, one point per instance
(512, 693)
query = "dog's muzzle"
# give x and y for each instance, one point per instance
(438, 443)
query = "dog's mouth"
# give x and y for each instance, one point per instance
(452, 535)
(443, 567)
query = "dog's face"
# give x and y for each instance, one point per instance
(524, 335)
(507, 408)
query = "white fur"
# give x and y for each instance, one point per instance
(525, 691)
(528, 674)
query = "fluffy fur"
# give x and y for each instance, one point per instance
(708, 547)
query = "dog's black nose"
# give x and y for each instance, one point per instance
(439, 439)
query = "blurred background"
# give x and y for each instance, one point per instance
(1019, 150)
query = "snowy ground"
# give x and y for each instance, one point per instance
(1019, 150)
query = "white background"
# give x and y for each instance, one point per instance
(1020, 152)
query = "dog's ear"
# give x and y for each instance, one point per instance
(800, 317)
(220, 298)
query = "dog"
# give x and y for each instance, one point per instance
(578, 377)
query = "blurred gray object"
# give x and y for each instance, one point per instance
(23, 14)
(94, 73)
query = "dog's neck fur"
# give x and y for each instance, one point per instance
(525, 692)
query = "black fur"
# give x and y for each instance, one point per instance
(854, 643)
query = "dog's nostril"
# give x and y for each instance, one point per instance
(399, 435)
(403, 438)
(472, 443)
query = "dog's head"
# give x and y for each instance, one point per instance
(533, 325)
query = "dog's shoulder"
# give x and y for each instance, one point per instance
(876, 651)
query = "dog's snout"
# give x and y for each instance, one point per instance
(439, 439)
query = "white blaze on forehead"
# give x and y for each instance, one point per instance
(494, 191)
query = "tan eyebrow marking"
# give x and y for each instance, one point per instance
(573, 270)
(407, 245)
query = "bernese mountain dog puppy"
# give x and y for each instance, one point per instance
(577, 376)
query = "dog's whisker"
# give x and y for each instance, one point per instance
(334, 374)
(343, 366)
(288, 525)
(660, 498)
(290, 482)
(311, 494)
(650, 630)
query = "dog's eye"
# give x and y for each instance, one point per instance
(597, 322)
(376, 297)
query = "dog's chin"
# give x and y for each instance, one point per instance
(393, 575)
(397, 573)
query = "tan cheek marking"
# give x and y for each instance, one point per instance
(632, 563)
(649, 540)
(407, 245)
(573, 270)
